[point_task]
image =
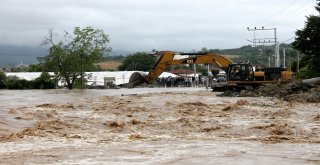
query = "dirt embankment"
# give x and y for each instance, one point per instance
(295, 91)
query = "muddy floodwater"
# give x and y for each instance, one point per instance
(171, 126)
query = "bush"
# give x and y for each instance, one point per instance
(78, 84)
(44, 82)
(308, 72)
(14, 82)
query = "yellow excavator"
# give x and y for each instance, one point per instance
(238, 75)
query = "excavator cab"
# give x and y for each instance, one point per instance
(240, 72)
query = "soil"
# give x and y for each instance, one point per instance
(295, 91)
(162, 128)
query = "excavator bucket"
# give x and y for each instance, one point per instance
(137, 78)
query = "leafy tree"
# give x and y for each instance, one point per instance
(138, 61)
(79, 53)
(204, 71)
(308, 43)
(34, 68)
(204, 49)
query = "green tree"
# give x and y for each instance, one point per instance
(34, 68)
(204, 50)
(138, 61)
(79, 53)
(308, 43)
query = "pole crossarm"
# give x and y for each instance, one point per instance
(256, 40)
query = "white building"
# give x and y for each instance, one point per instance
(94, 78)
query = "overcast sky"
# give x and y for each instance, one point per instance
(143, 25)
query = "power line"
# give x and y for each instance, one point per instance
(288, 39)
(277, 13)
(296, 13)
(291, 12)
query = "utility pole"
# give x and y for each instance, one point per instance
(207, 84)
(298, 62)
(194, 66)
(256, 41)
(289, 63)
(284, 58)
(260, 57)
(276, 51)
(81, 77)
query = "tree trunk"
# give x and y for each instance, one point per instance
(70, 86)
(69, 83)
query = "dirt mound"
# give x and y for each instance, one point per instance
(295, 91)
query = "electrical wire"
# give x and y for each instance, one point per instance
(305, 6)
(288, 39)
(277, 13)
(296, 13)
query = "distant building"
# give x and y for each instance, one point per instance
(105, 78)
(21, 65)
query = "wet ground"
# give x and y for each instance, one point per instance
(155, 126)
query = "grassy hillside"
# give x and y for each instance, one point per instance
(110, 64)
(258, 55)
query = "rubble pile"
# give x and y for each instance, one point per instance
(300, 91)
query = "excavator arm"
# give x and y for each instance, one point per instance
(167, 59)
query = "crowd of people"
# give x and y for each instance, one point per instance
(185, 81)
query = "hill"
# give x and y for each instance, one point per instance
(110, 64)
(13, 55)
(258, 55)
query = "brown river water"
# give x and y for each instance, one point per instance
(173, 126)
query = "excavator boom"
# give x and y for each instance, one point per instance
(167, 59)
(238, 75)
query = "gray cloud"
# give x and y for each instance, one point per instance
(141, 25)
